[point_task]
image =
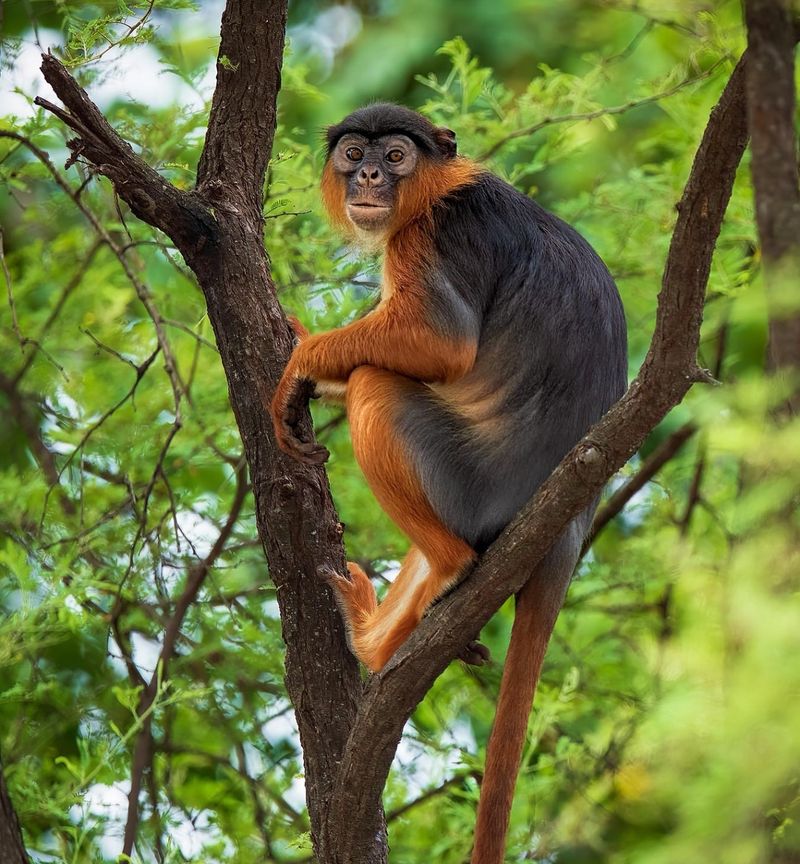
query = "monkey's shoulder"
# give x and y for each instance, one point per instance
(494, 226)
(503, 220)
(485, 197)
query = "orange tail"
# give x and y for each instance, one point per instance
(538, 605)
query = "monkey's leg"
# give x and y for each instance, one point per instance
(437, 557)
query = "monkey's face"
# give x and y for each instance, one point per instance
(371, 169)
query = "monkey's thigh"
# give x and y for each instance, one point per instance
(474, 483)
(376, 399)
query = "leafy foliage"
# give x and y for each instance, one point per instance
(667, 724)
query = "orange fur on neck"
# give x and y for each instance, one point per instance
(416, 195)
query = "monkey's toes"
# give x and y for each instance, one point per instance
(310, 453)
(329, 575)
(307, 452)
(475, 654)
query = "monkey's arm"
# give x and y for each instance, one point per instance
(396, 337)
(329, 391)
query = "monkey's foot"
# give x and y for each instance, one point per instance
(373, 633)
(475, 654)
(355, 596)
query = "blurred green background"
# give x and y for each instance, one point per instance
(667, 726)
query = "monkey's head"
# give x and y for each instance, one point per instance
(383, 165)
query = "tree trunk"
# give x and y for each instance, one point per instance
(219, 229)
(12, 850)
(771, 37)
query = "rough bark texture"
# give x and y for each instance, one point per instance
(349, 740)
(218, 228)
(771, 38)
(12, 850)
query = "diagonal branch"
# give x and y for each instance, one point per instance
(666, 375)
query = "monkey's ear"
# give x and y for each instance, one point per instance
(446, 139)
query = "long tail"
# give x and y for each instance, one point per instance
(538, 605)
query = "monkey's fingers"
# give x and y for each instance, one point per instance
(307, 452)
(475, 654)
(310, 453)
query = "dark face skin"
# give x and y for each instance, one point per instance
(372, 169)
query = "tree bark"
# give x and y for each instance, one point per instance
(771, 37)
(12, 849)
(218, 228)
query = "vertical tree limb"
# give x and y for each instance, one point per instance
(771, 37)
(218, 228)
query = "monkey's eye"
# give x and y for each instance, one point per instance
(395, 156)
(354, 154)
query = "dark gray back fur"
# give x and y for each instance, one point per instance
(552, 353)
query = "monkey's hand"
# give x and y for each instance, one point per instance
(288, 405)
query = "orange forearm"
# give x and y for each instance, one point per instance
(386, 340)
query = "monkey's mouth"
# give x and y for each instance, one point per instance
(366, 213)
(366, 206)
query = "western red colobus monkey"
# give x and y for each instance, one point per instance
(499, 339)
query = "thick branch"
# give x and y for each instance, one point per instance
(666, 375)
(771, 116)
(147, 193)
(218, 228)
(243, 118)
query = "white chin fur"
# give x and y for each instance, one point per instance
(369, 241)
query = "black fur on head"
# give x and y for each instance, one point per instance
(384, 118)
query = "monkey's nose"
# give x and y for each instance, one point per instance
(370, 175)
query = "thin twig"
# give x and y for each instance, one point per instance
(73, 283)
(141, 370)
(132, 28)
(109, 350)
(599, 112)
(24, 341)
(142, 292)
(10, 292)
(456, 779)
(648, 469)
(144, 746)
